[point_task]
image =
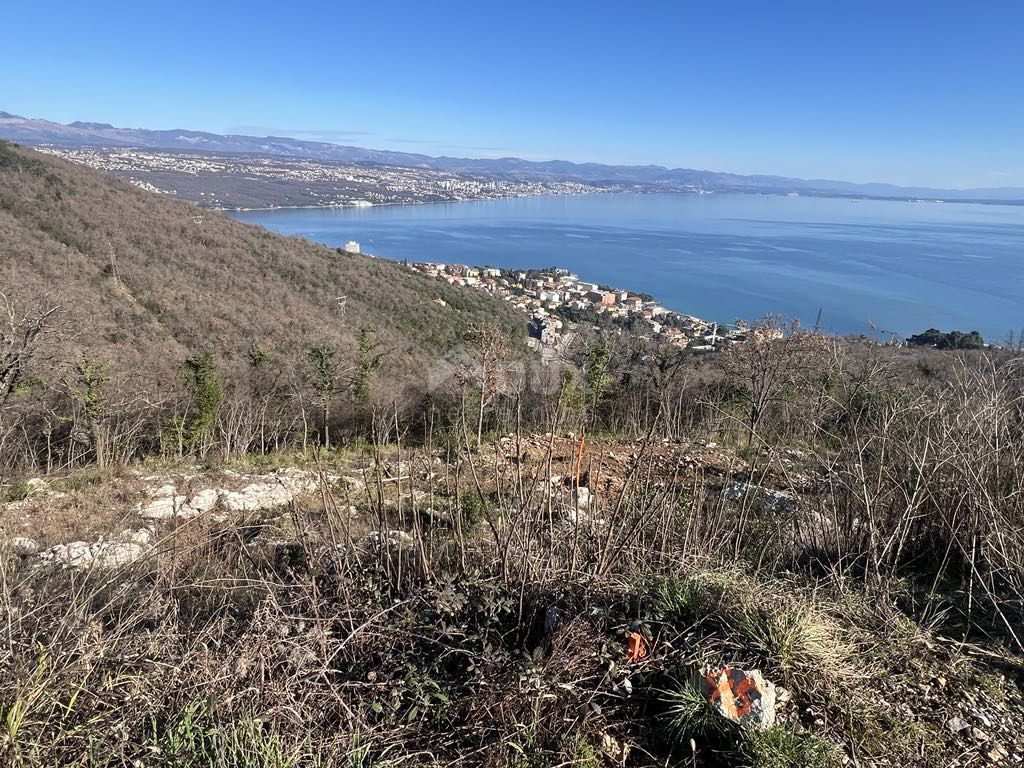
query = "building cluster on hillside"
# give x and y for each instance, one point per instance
(320, 183)
(554, 298)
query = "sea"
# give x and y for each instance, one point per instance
(854, 266)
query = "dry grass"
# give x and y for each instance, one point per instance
(226, 647)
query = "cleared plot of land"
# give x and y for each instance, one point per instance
(392, 607)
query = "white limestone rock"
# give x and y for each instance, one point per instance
(163, 508)
(129, 547)
(140, 536)
(394, 540)
(75, 554)
(21, 545)
(201, 502)
(778, 502)
(117, 553)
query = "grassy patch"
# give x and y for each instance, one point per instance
(777, 747)
(14, 492)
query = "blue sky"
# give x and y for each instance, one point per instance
(902, 91)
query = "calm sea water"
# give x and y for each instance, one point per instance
(895, 266)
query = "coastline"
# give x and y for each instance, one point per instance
(682, 193)
(345, 206)
(710, 257)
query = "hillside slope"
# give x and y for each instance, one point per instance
(143, 281)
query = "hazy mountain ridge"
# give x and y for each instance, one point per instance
(649, 177)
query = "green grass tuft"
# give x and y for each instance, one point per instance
(777, 747)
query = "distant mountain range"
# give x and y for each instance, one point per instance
(648, 177)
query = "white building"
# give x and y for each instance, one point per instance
(352, 246)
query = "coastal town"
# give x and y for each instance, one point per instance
(240, 181)
(557, 301)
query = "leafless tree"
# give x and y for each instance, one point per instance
(775, 358)
(489, 347)
(21, 337)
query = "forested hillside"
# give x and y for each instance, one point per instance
(130, 285)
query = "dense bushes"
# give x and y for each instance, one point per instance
(952, 340)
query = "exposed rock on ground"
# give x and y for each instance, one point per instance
(396, 541)
(260, 493)
(130, 546)
(21, 545)
(777, 502)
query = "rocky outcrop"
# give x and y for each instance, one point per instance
(127, 548)
(395, 541)
(165, 504)
(260, 493)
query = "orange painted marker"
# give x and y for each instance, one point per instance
(636, 647)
